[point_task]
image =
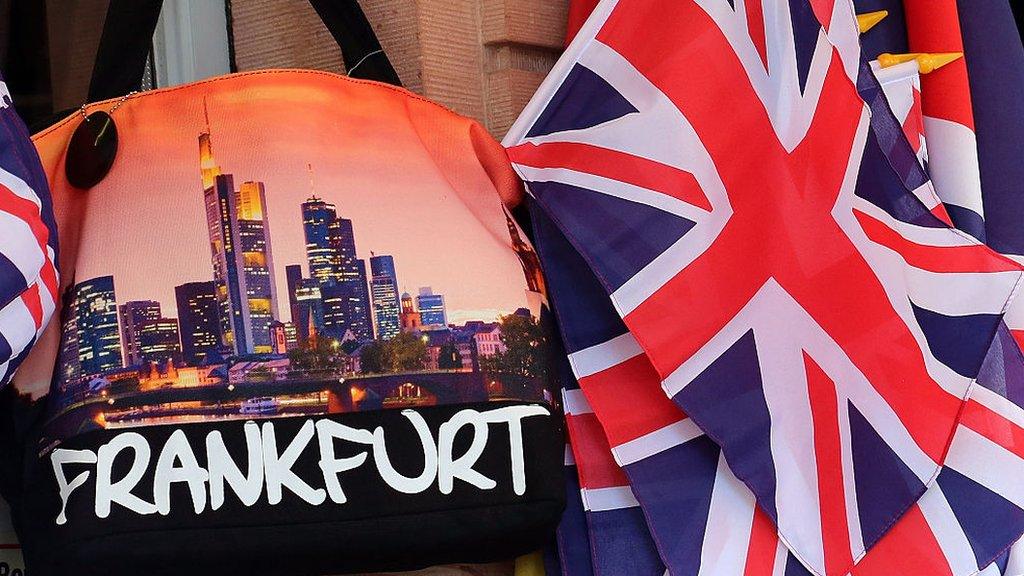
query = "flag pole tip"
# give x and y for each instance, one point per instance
(927, 62)
(869, 20)
(937, 60)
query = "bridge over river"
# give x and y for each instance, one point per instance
(447, 386)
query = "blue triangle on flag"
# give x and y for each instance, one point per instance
(585, 314)
(1003, 369)
(618, 237)
(805, 37)
(794, 567)
(732, 3)
(730, 391)
(879, 183)
(990, 522)
(960, 342)
(885, 485)
(582, 101)
(679, 482)
(967, 220)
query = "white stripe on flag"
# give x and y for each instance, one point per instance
(953, 163)
(730, 520)
(998, 404)
(613, 498)
(660, 440)
(19, 187)
(898, 85)
(601, 357)
(576, 402)
(946, 529)
(988, 464)
(20, 246)
(958, 294)
(613, 188)
(17, 326)
(928, 236)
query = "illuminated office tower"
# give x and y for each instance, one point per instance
(198, 321)
(317, 217)
(331, 256)
(132, 316)
(257, 263)
(159, 342)
(384, 292)
(350, 275)
(98, 341)
(241, 256)
(70, 367)
(293, 276)
(431, 307)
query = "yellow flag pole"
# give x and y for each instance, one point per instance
(926, 61)
(868, 20)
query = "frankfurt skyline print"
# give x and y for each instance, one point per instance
(394, 215)
(306, 289)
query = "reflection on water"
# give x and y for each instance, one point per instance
(186, 412)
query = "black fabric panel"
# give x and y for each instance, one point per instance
(128, 36)
(124, 46)
(364, 57)
(377, 528)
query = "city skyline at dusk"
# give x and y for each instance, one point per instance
(410, 221)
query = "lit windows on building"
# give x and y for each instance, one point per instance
(97, 338)
(198, 319)
(431, 307)
(132, 316)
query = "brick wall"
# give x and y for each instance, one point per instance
(481, 58)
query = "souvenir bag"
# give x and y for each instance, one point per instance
(299, 332)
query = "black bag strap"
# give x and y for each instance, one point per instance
(130, 24)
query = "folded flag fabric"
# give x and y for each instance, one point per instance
(732, 176)
(28, 244)
(901, 85)
(579, 10)
(934, 26)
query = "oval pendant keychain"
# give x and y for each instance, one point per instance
(93, 147)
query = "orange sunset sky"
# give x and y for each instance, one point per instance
(145, 223)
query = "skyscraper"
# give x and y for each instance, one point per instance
(384, 265)
(363, 329)
(198, 319)
(293, 275)
(310, 320)
(133, 315)
(331, 255)
(350, 272)
(70, 367)
(317, 217)
(384, 292)
(98, 341)
(241, 254)
(432, 310)
(257, 263)
(159, 342)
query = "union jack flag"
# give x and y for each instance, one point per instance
(784, 346)
(28, 243)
